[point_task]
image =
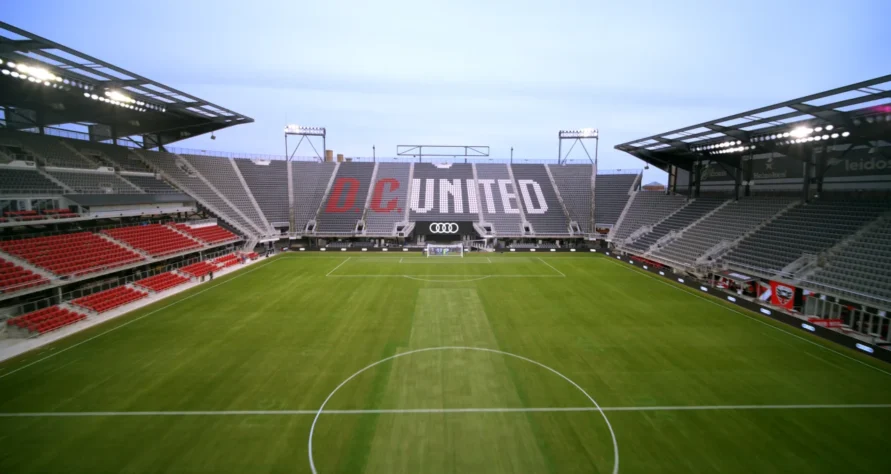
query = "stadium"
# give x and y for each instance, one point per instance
(440, 310)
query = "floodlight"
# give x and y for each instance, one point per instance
(94, 96)
(10, 64)
(834, 135)
(786, 135)
(801, 132)
(829, 127)
(6, 72)
(818, 129)
(825, 137)
(118, 96)
(846, 134)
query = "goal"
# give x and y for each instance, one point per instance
(441, 250)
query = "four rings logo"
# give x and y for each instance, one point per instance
(443, 228)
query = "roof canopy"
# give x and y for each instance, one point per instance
(56, 85)
(858, 114)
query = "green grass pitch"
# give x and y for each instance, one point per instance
(228, 377)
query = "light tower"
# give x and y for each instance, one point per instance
(305, 133)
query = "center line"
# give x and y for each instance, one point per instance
(409, 411)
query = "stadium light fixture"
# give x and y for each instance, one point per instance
(829, 127)
(582, 133)
(37, 72)
(6, 72)
(300, 130)
(801, 132)
(846, 134)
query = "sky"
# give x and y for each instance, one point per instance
(498, 73)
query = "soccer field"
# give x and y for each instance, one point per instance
(396, 363)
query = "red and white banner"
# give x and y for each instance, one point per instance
(782, 295)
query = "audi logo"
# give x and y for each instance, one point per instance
(443, 228)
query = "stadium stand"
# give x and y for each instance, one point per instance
(85, 182)
(338, 245)
(46, 320)
(807, 229)
(195, 186)
(546, 215)
(726, 225)
(268, 182)
(346, 200)
(24, 181)
(73, 254)
(221, 174)
(504, 216)
(211, 234)
(429, 182)
(694, 210)
(226, 260)
(162, 282)
(155, 239)
(151, 185)
(574, 183)
(111, 155)
(15, 278)
(109, 299)
(199, 269)
(647, 208)
(310, 182)
(861, 268)
(388, 199)
(611, 194)
(53, 152)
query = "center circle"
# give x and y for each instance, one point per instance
(315, 420)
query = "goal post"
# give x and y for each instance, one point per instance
(445, 250)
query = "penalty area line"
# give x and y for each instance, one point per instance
(338, 266)
(422, 411)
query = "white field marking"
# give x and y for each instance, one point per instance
(410, 277)
(552, 267)
(422, 411)
(753, 318)
(256, 267)
(489, 259)
(464, 348)
(338, 266)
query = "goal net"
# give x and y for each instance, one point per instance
(440, 250)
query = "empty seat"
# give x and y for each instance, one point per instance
(154, 239)
(346, 199)
(161, 282)
(388, 200)
(74, 254)
(109, 299)
(540, 204)
(46, 320)
(268, 182)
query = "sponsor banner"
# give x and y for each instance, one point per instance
(780, 167)
(863, 161)
(782, 295)
(444, 228)
(714, 172)
(603, 229)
